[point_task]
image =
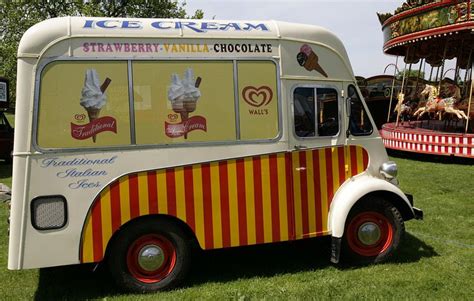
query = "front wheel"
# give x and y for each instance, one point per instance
(373, 232)
(149, 255)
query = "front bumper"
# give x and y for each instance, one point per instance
(418, 213)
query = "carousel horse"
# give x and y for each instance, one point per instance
(439, 105)
(402, 109)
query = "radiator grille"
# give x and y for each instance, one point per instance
(49, 212)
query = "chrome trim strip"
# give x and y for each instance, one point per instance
(131, 99)
(236, 100)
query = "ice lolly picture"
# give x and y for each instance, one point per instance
(184, 94)
(93, 96)
(309, 60)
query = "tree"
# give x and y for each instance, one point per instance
(18, 16)
(410, 73)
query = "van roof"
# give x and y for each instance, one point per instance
(45, 34)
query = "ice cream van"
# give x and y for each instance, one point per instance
(137, 140)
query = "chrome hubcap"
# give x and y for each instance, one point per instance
(369, 233)
(151, 258)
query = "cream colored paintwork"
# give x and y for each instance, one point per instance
(60, 38)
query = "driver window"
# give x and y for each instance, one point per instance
(315, 112)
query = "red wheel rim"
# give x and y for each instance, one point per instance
(158, 250)
(379, 242)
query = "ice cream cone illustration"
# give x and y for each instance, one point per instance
(93, 95)
(309, 60)
(184, 94)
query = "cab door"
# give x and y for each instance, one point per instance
(316, 137)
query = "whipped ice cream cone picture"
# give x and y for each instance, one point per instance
(309, 60)
(184, 94)
(93, 96)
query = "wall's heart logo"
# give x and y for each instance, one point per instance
(257, 97)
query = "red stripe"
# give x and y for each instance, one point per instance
(289, 196)
(207, 203)
(342, 165)
(97, 230)
(115, 205)
(329, 174)
(352, 149)
(133, 193)
(274, 198)
(242, 202)
(189, 196)
(225, 214)
(365, 158)
(152, 192)
(317, 192)
(171, 191)
(304, 192)
(258, 196)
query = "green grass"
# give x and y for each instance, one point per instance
(436, 260)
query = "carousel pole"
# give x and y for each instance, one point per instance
(391, 90)
(418, 77)
(467, 73)
(431, 73)
(470, 99)
(442, 68)
(401, 92)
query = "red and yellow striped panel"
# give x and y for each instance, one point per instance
(245, 201)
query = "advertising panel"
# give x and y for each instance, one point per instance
(83, 104)
(184, 101)
(258, 100)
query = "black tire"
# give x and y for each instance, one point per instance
(375, 216)
(163, 236)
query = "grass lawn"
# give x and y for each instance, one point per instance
(436, 260)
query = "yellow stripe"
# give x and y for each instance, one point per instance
(267, 199)
(347, 161)
(324, 189)
(124, 200)
(198, 204)
(233, 203)
(335, 169)
(162, 191)
(87, 249)
(216, 206)
(180, 195)
(360, 162)
(250, 201)
(106, 217)
(311, 197)
(297, 195)
(143, 193)
(282, 200)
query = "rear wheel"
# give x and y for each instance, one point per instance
(373, 232)
(149, 255)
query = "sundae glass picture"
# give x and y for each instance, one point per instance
(309, 60)
(93, 96)
(184, 94)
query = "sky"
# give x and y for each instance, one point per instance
(355, 22)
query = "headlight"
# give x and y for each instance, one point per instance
(389, 170)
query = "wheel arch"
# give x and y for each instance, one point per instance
(190, 235)
(358, 189)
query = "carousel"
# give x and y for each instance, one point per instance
(432, 111)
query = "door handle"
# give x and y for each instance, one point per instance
(300, 147)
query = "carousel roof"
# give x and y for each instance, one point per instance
(432, 30)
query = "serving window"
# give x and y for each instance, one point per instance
(316, 112)
(87, 103)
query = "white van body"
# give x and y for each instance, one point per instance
(242, 120)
